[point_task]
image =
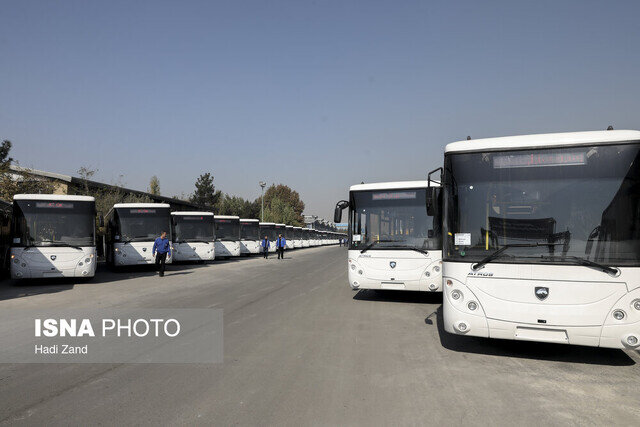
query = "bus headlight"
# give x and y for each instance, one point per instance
(426, 273)
(16, 261)
(360, 272)
(636, 304)
(618, 314)
(632, 340)
(353, 266)
(456, 295)
(472, 305)
(436, 269)
(87, 260)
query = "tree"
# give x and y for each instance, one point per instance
(279, 211)
(205, 194)
(235, 205)
(154, 186)
(86, 173)
(5, 160)
(287, 198)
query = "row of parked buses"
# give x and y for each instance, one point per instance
(47, 235)
(533, 238)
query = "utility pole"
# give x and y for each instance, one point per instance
(262, 185)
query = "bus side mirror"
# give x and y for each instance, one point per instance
(101, 221)
(433, 194)
(337, 214)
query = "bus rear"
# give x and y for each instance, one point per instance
(543, 238)
(53, 236)
(395, 243)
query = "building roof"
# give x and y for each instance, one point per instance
(94, 184)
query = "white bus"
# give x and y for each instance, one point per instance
(53, 236)
(289, 233)
(280, 229)
(249, 236)
(297, 237)
(314, 238)
(269, 229)
(193, 236)
(131, 230)
(227, 236)
(395, 238)
(543, 238)
(304, 232)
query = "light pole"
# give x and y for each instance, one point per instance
(262, 185)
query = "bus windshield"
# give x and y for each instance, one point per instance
(228, 229)
(250, 230)
(557, 204)
(393, 219)
(53, 223)
(193, 228)
(143, 224)
(269, 231)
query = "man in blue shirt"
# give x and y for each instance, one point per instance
(161, 248)
(265, 246)
(280, 245)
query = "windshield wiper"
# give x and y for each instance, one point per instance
(477, 266)
(406, 248)
(65, 244)
(133, 239)
(375, 242)
(588, 263)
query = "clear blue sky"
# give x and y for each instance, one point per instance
(278, 90)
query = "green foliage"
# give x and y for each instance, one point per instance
(235, 205)
(5, 160)
(280, 211)
(280, 200)
(154, 186)
(205, 193)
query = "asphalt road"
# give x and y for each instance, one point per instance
(301, 348)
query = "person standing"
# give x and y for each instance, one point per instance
(265, 246)
(280, 245)
(161, 249)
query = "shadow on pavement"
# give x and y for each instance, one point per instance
(399, 296)
(528, 349)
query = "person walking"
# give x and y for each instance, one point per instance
(265, 246)
(161, 249)
(280, 245)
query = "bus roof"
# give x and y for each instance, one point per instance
(396, 185)
(281, 225)
(297, 228)
(142, 205)
(290, 226)
(543, 140)
(192, 213)
(53, 197)
(249, 220)
(267, 223)
(226, 217)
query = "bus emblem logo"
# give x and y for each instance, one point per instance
(53, 257)
(542, 293)
(392, 264)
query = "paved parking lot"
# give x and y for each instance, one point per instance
(302, 348)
